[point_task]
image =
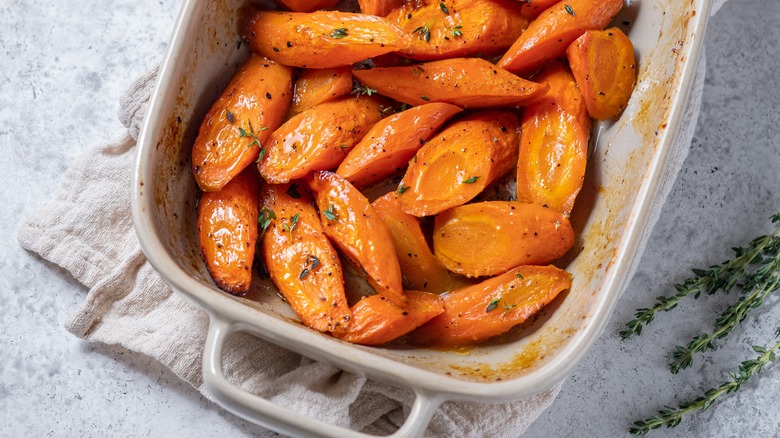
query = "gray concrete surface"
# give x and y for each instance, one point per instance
(66, 63)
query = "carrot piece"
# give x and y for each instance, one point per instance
(227, 231)
(301, 261)
(355, 227)
(318, 138)
(550, 34)
(379, 8)
(459, 162)
(554, 144)
(460, 28)
(322, 39)
(490, 238)
(252, 105)
(392, 142)
(476, 313)
(314, 87)
(308, 5)
(467, 83)
(533, 8)
(604, 66)
(420, 269)
(377, 321)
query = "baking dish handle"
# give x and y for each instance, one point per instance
(265, 413)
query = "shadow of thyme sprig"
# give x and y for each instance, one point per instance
(671, 417)
(755, 272)
(708, 281)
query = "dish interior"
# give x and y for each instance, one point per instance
(626, 154)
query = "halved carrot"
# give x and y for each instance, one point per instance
(308, 5)
(420, 269)
(554, 144)
(459, 28)
(227, 231)
(315, 86)
(392, 142)
(252, 106)
(301, 261)
(459, 162)
(533, 8)
(355, 227)
(321, 39)
(477, 313)
(604, 65)
(318, 138)
(490, 238)
(467, 83)
(549, 36)
(377, 321)
(379, 8)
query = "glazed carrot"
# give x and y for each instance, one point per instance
(460, 28)
(476, 313)
(379, 8)
(355, 227)
(322, 39)
(554, 144)
(604, 66)
(227, 232)
(308, 5)
(533, 8)
(550, 34)
(467, 83)
(392, 142)
(318, 138)
(252, 105)
(301, 261)
(490, 238)
(459, 162)
(377, 321)
(420, 269)
(316, 86)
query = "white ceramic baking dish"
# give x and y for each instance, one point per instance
(624, 173)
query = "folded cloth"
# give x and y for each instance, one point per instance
(87, 229)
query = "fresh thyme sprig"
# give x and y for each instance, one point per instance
(764, 281)
(719, 277)
(755, 271)
(671, 417)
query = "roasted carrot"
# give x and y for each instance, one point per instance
(379, 8)
(554, 144)
(377, 321)
(227, 231)
(252, 105)
(604, 65)
(420, 269)
(315, 86)
(467, 83)
(459, 28)
(392, 142)
(459, 162)
(533, 8)
(549, 36)
(308, 5)
(321, 39)
(301, 261)
(477, 313)
(318, 138)
(355, 227)
(490, 238)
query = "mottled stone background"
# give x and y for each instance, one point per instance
(64, 65)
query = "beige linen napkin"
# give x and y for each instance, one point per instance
(88, 230)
